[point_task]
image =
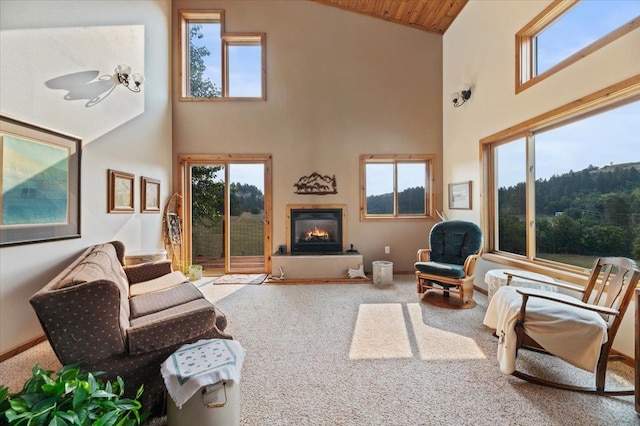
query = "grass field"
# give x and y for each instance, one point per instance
(570, 259)
(246, 239)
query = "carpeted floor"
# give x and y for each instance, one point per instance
(360, 354)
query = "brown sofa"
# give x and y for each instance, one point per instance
(124, 320)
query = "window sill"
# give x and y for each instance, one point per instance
(573, 277)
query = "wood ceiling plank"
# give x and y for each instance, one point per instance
(417, 11)
(444, 10)
(393, 8)
(402, 9)
(370, 5)
(411, 8)
(427, 15)
(426, 18)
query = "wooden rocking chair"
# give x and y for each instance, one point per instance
(608, 291)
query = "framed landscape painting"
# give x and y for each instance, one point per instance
(40, 183)
(120, 192)
(460, 196)
(150, 195)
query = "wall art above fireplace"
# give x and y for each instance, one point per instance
(316, 184)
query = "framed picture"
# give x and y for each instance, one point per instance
(40, 184)
(460, 196)
(150, 195)
(120, 192)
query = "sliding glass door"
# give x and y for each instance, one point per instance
(227, 213)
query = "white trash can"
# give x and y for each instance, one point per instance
(382, 272)
(213, 405)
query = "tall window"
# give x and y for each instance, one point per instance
(567, 190)
(396, 186)
(567, 31)
(217, 65)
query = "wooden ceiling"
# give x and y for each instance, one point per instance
(434, 16)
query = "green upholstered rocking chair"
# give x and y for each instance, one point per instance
(447, 266)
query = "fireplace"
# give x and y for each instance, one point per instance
(316, 229)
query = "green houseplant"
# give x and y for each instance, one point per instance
(72, 397)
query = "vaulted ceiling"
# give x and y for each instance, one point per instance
(427, 15)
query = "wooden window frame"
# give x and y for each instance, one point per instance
(227, 39)
(427, 159)
(244, 39)
(526, 48)
(607, 98)
(183, 179)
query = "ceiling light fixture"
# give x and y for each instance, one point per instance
(462, 96)
(128, 80)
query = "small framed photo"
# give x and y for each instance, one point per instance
(120, 192)
(150, 195)
(460, 196)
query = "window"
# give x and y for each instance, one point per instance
(565, 186)
(396, 187)
(567, 31)
(219, 66)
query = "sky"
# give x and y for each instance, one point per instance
(579, 145)
(572, 147)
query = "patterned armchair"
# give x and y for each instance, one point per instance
(124, 321)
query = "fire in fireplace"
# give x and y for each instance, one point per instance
(317, 230)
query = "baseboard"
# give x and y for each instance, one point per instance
(626, 360)
(318, 281)
(15, 351)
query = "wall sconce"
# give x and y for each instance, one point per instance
(462, 96)
(123, 72)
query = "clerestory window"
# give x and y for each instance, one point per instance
(216, 65)
(566, 31)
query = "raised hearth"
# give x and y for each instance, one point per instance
(316, 268)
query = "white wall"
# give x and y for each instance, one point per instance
(56, 61)
(339, 84)
(479, 48)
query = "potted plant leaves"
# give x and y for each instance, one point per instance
(71, 397)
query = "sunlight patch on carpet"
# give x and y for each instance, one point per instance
(215, 293)
(436, 344)
(380, 333)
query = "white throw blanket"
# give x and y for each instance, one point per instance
(572, 334)
(200, 364)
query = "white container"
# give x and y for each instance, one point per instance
(195, 272)
(382, 272)
(213, 405)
